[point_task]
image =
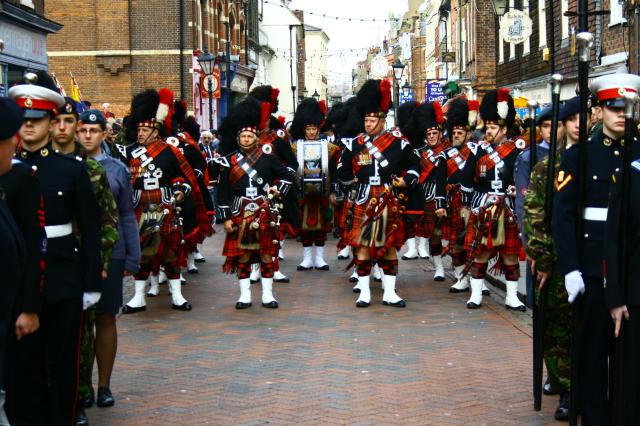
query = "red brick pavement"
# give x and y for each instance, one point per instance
(318, 359)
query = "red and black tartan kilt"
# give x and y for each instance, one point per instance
(512, 241)
(453, 225)
(266, 235)
(359, 217)
(427, 222)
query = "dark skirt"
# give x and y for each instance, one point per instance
(111, 299)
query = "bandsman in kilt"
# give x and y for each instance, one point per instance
(462, 115)
(376, 163)
(427, 200)
(247, 189)
(162, 180)
(317, 159)
(492, 229)
(276, 136)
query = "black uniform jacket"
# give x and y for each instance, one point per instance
(614, 294)
(12, 260)
(24, 199)
(269, 169)
(603, 157)
(72, 267)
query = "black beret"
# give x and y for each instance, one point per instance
(570, 107)
(70, 106)
(12, 117)
(544, 115)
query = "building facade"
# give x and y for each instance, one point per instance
(316, 72)
(24, 40)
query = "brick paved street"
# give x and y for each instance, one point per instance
(318, 359)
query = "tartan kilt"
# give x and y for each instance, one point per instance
(359, 217)
(316, 214)
(426, 225)
(512, 243)
(266, 237)
(453, 226)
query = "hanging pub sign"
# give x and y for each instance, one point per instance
(515, 26)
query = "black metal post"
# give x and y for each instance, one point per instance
(210, 90)
(396, 89)
(227, 93)
(181, 48)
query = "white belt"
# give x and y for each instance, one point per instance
(595, 213)
(56, 231)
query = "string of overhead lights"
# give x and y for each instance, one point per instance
(338, 18)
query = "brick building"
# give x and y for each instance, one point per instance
(116, 49)
(526, 67)
(24, 31)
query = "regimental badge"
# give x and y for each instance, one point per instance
(23, 154)
(607, 141)
(68, 108)
(28, 103)
(521, 144)
(621, 91)
(44, 152)
(93, 117)
(266, 148)
(259, 181)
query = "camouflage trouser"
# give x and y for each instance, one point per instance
(87, 341)
(557, 334)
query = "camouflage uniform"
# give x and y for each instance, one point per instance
(109, 238)
(557, 314)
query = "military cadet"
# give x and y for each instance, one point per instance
(73, 265)
(376, 163)
(247, 185)
(63, 141)
(492, 228)
(462, 115)
(540, 249)
(317, 158)
(623, 299)
(13, 246)
(522, 171)
(583, 270)
(125, 257)
(162, 179)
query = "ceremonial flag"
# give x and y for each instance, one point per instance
(58, 85)
(76, 95)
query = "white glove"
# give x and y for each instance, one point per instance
(574, 284)
(89, 299)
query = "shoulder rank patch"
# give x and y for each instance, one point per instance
(281, 133)
(521, 144)
(613, 178)
(396, 133)
(563, 180)
(266, 148)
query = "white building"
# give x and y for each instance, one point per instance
(280, 31)
(315, 68)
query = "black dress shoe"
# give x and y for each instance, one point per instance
(457, 290)
(303, 268)
(243, 305)
(280, 258)
(88, 401)
(409, 258)
(129, 310)
(356, 290)
(282, 280)
(378, 280)
(549, 388)
(271, 305)
(520, 308)
(254, 281)
(486, 292)
(340, 257)
(203, 260)
(353, 279)
(192, 271)
(105, 398)
(399, 304)
(81, 417)
(362, 304)
(562, 412)
(186, 306)
(439, 279)
(472, 305)
(323, 268)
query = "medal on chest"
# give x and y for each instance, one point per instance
(483, 170)
(364, 159)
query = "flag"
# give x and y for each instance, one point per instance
(76, 95)
(58, 85)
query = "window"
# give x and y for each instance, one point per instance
(500, 46)
(564, 7)
(617, 13)
(512, 47)
(542, 23)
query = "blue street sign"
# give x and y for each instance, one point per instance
(434, 92)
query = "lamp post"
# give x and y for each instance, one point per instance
(500, 6)
(316, 95)
(227, 93)
(206, 60)
(398, 69)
